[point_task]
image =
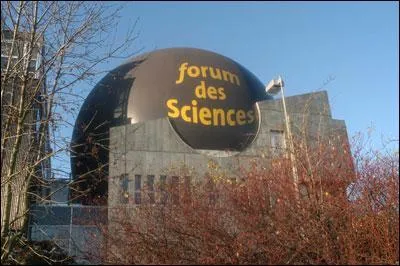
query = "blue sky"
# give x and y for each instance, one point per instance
(356, 43)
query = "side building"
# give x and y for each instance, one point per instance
(24, 136)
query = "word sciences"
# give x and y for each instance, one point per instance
(194, 113)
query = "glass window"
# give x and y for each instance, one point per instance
(6, 48)
(138, 187)
(124, 183)
(35, 53)
(14, 61)
(32, 66)
(163, 193)
(4, 61)
(150, 188)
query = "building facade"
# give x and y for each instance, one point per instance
(146, 153)
(23, 108)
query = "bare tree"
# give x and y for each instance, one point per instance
(48, 49)
(257, 221)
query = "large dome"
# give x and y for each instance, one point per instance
(210, 101)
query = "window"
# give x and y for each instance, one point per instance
(20, 55)
(6, 48)
(163, 193)
(124, 195)
(175, 189)
(121, 106)
(4, 61)
(138, 187)
(34, 63)
(150, 188)
(277, 143)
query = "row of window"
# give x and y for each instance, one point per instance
(20, 51)
(146, 190)
(139, 195)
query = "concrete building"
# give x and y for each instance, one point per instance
(145, 153)
(17, 73)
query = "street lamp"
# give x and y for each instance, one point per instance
(274, 87)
